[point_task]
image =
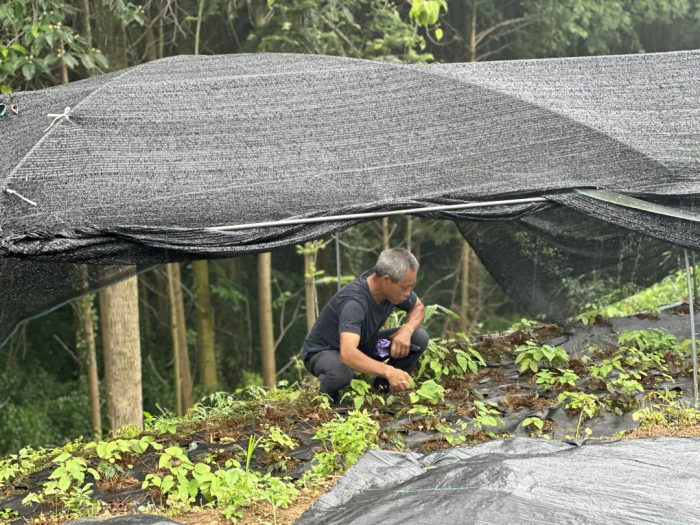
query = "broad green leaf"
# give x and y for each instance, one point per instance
(63, 457)
(28, 71)
(167, 484)
(69, 60)
(64, 483)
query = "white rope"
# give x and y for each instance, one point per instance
(57, 117)
(353, 216)
(25, 199)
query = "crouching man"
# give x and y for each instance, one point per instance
(347, 336)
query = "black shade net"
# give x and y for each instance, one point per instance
(152, 157)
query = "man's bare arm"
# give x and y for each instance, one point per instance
(351, 356)
(401, 339)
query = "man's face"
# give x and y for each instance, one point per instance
(398, 292)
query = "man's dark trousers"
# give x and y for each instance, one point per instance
(334, 375)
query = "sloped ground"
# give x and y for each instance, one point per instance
(490, 401)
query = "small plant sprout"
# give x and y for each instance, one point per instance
(533, 421)
(429, 391)
(549, 379)
(439, 361)
(360, 392)
(663, 409)
(588, 405)
(344, 442)
(65, 486)
(531, 356)
(524, 324)
(486, 415)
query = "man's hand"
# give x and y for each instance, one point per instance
(398, 379)
(400, 342)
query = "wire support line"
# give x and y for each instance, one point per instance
(370, 215)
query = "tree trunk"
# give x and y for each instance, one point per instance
(309, 285)
(472, 33)
(175, 336)
(86, 345)
(385, 233)
(464, 305)
(449, 318)
(205, 325)
(146, 317)
(161, 37)
(87, 30)
(409, 231)
(475, 288)
(267, 339)
(119, 313)
(64, 67)
(182, 372)
(162, 306)
(111, 36)
(151, 54)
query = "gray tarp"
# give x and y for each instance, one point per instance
(522, 481)
(154, 155)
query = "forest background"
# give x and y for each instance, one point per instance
(231, 323)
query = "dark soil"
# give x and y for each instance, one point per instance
(647, 315)
(683, 309)
(603, 321)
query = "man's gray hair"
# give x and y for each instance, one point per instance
(394, 262)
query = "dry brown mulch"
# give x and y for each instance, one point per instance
(533, 401)
(547, 332)
(656, 431)
(494, 374)
(683, 309)
(578, 366)
(492, 348)
(457, 389)
(117, 483)
(433, 446)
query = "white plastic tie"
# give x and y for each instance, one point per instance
(58, 117)
(25, 199)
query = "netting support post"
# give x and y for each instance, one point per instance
(337, 258)
(691, 307)
(695, 279)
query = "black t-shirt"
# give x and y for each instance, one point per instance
(352, 309)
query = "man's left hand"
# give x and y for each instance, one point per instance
(400, 343)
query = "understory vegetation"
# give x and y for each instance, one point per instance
(235, 452)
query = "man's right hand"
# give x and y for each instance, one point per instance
(398, 379)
